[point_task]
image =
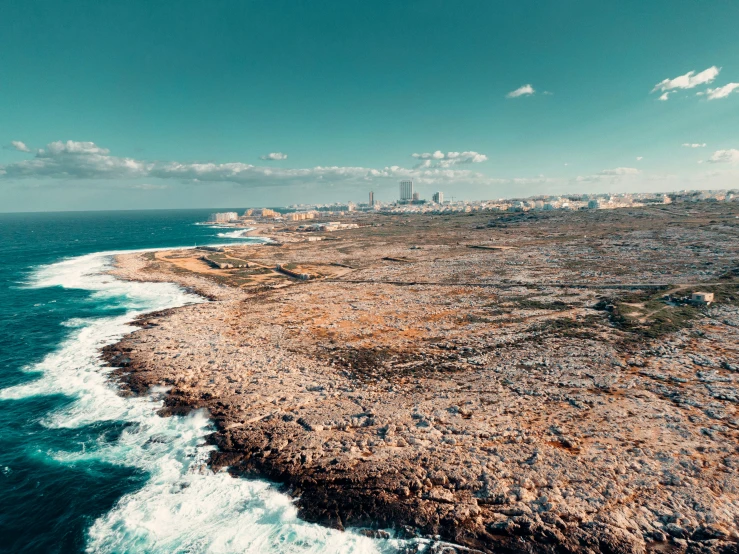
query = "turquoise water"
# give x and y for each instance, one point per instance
(83, 469)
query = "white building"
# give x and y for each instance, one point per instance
(223, 217)
(702, 297)
(438, 197)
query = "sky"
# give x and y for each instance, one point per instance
(140, 104)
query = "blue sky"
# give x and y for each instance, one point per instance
(173, 104)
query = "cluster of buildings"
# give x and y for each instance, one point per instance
(327, 226)
(300, 216)
(409, 196)
(409, 201)
(233, 217)
(262, 212)
(706, 196)
(559, 202)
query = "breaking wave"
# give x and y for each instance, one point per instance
(183, 506)
(237, 234)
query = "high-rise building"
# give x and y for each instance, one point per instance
(406, 190)
(438, 197)
(371, 198)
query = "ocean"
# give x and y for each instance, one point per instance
(83, 469)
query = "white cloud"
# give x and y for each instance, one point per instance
(694, 145)
(725, 156)
(689, 80)
(721, 92)
(72, 147)
(237, 172)
(86, 160)
(665, 96)
(639, 158)
(20, 146)
(438, 155)
(620, 171)
(449, 159)
(76, 160)
(64, 163)
(526, 90)
(272, 156)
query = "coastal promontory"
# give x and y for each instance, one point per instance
(508, 383)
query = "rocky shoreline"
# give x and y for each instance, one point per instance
(349, 497)
(498, 420)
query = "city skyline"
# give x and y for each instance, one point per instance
(254, 104)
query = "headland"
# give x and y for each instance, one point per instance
(511, 382)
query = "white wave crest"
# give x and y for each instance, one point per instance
(237, 234)
(183, 507)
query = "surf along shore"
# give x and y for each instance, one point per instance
(512, 383)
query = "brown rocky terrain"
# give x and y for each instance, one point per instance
(544, 397)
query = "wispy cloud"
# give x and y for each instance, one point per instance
(720, 92)
(19, 145)
(525, 90)
(274, 156)
(72, 159)
(620, 171)
(639, 158)
(613, 175)
(71, 147)
(86, 160)
(690, 80)
(730, 156)
(694, 144)
(449, 159)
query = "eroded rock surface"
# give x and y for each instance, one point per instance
(494, 406)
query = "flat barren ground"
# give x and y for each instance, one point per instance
(514, 382)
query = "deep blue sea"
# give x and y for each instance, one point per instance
(83, 469)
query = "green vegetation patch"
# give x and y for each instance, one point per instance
(242, 272)
(654, 316)
(533, 304)
(569, 327)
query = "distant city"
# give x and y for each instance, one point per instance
(410, 202)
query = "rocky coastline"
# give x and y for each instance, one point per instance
(506, 418)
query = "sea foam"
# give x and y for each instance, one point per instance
(237, 234)
(183, 506)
